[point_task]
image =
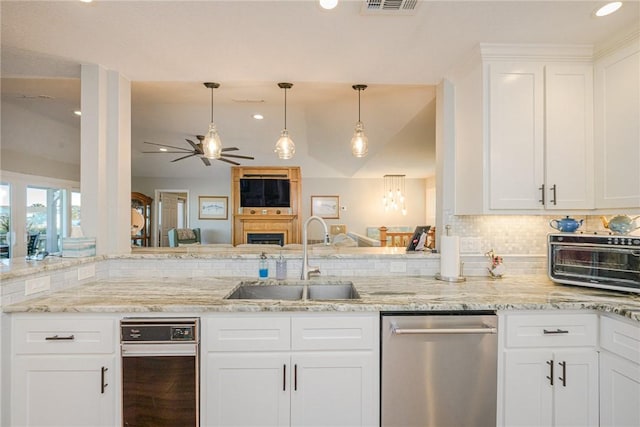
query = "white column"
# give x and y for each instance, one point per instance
(445, 153)
(106, 159)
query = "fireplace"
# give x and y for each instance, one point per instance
(266, 238)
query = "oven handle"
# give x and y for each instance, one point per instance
(173, 349)
(628, 251)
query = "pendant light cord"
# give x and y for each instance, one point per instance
(211, 105)
(285, 108)
(359, 90)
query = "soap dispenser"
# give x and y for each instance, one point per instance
(281, 268)
(264, 266)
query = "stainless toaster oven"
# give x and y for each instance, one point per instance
(598, 261)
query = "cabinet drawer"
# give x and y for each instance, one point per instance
(63, 335)
(551, 330)
(332, 333)
(236, 333)
(620, 338)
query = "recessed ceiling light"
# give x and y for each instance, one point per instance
(163, 149)
(86, 1)
(328, 4)
(77, 112)
(608, 8)
(258, 116)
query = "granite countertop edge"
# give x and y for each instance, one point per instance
(197, 295)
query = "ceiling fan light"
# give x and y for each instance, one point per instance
(359, 142)
(212, 146)
(285, 148)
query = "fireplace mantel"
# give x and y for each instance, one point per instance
(266, 220)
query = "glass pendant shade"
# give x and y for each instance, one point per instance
(359, 142)
(212, 146)
(285, 146)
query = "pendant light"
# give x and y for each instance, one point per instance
(359, 142)
(285, 146)
(211, 145)
(393, 193)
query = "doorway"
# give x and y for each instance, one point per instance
(172, 207)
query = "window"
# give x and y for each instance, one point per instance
(46, 213)
(75, 208)
(5, 221)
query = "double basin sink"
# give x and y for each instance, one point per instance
(294, 291)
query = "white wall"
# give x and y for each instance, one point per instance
(38, 128)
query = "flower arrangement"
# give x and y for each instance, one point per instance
(496, 268)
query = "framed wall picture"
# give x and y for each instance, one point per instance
(212, 207)
(325, 206)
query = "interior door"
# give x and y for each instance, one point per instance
(168, 215)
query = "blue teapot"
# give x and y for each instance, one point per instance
(566, 225)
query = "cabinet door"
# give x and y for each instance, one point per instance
(247, 389)
(617, 128)
(619, 391)
(576, 388)
(63, 391)
(528, 393)
(333, 389)
(516, 138)
(569, 148)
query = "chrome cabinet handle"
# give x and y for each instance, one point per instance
(550, 376)
(563, 378)
(103, 385)
(556, 332)
(555, 197)
(295, 377)
(541, 188)
(59, 338)
(284, 377)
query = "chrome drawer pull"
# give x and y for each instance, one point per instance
(563, 378)
(59, 338)
(550, 376)
(557, 331)
(103, 384)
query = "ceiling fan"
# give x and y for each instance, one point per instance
(196, 150)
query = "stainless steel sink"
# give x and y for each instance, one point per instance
(295, 291)
(280, 292)
(332, 292)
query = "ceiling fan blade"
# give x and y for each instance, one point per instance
(185, 157)
(229, 161)
(237, 156)
(170, 146)
(230, 149)
(205, 161)
(195, 146)
(165, 152)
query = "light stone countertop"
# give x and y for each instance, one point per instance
(377, 294)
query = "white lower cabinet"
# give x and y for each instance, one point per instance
(544, 388)
(63, 391)
(550, 370)
(301, 371)
(619, 373)
(63, 371)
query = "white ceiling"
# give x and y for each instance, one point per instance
(168, 48)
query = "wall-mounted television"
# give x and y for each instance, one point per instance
(264, 193)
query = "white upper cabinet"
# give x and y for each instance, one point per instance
(524, 140)
(617, 127)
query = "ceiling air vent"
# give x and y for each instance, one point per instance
(390, 7)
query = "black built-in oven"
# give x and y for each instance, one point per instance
(598, 261)
(160, 372)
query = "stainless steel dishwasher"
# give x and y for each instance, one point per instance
(438, 370)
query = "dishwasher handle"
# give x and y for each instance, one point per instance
(433, 331)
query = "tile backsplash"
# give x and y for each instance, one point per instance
(511, 234)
